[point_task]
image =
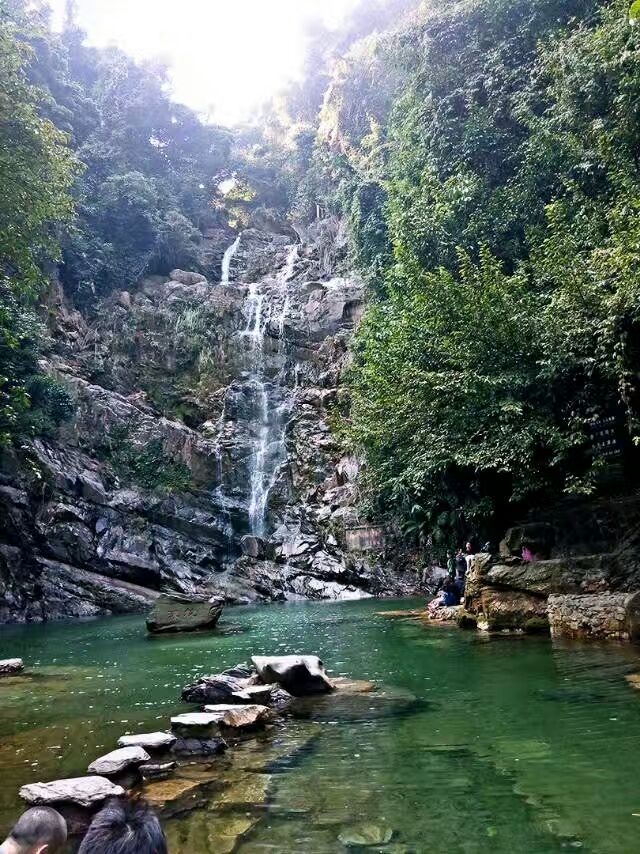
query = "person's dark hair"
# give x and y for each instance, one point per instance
(40, 826)
(122, 827)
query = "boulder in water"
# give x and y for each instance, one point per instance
(217, 688)
(11, 666)
(119, 760)
(83, 791)
(298, 674)
(175, 612)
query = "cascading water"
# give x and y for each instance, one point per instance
(272, 399)
(226, 260)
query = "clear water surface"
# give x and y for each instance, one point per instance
(490, 745)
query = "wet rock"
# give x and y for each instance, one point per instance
(297, 674)
(157, 770)
(217, 688)
(174, 612)
(240, 671)
(148, 740)
(196, 724)
(118, 761)
(241, 717)
(11, 666)
(83, 791)
(193, 746)
(261, 694)
(254, 547)
(365, 836)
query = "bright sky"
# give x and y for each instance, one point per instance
(226, 56)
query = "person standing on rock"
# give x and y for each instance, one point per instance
(451, 565)
(40, 830)
(469, 555)
(461, 564)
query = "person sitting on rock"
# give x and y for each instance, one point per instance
(40, 830)
(122, 827)
(448, 597)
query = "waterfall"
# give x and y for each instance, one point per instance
(226, 261)
(272, 399)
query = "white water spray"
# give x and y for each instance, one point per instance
(226, 261)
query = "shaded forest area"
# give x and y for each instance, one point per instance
(486, 159)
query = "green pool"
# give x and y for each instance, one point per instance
(501, 745)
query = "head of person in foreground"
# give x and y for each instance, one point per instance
(39, 830)
(122, 827)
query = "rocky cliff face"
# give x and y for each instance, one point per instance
(200, 455)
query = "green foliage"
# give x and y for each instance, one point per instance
(496, 214)
(146, 465)
(37, 170)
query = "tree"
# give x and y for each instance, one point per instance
(37, 170)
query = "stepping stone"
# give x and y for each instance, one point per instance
(83, 791)
(148, 740)
(119, 760)
(196, 723)
(11, 666)
(199, 746)
(240, 717)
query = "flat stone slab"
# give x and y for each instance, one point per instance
(254, 694)
(84, 791)
(298, 674)
(196, 721)
(119, 760)
(11, 666)
(148, 740)
(240, 717)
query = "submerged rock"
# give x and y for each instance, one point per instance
(297, 674)
(11, 666)
(365, 836)
(118, 761)
(83, 791)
